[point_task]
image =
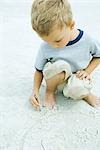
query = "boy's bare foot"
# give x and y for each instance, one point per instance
(52, 84)
(92, 100)
(50, 100)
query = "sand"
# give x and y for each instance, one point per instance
(72, 125)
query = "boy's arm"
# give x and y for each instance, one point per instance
(86, 72)
(34, 98)
(93, 64)
(38, 77)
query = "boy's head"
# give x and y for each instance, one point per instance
(52, 20)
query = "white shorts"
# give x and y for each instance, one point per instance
(72, 87)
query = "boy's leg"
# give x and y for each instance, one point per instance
(55, 74)
(92, 99)
(51, 86)
(80, 89)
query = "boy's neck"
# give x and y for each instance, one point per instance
(74, 34)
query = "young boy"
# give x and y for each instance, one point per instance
(67, 57)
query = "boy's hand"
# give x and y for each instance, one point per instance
(81, 74)
(34, 100)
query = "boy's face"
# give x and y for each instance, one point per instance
(58, 37)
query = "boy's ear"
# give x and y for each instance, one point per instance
(72, 25)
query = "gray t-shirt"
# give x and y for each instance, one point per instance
(78, 53)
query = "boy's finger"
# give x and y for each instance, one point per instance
(77, 72)
(80, 74)
(84, 76)
(33, 101)
(36, 103)
(35, 106)
(88, 78)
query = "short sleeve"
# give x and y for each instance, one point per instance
(40, 59)
(95, 48)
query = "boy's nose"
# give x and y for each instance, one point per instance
(56, 46)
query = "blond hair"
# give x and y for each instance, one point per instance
(47, 13)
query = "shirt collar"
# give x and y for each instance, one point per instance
(77, 38)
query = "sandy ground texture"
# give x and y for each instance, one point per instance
(72, 125)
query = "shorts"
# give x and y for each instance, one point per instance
(72, 87)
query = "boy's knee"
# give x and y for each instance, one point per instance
(52, 69)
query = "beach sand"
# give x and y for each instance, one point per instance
(72, 125)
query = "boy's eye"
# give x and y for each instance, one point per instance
(58, 41)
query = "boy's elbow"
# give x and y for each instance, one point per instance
(39, 72)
